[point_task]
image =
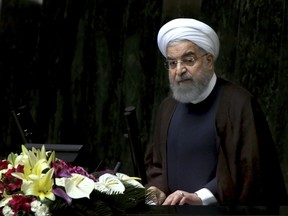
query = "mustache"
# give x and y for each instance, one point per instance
(183, 77)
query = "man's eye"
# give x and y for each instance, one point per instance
(172, 63)
(189, 60)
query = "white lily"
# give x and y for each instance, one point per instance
(36, 154)
(130, 180)
(40, 186)
(34, 172)
(15, 160)
(77, 186)
(109, 184)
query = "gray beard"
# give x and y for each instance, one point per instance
(188, 92)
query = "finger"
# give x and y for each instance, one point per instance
(161, 198)
(183, 198)
(168, 200)
(180, 193)
(183, 201)
(173, 199)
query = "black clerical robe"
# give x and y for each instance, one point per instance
(248, 171)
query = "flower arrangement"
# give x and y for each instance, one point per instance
(35, 182)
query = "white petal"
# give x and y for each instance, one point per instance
(109, 184)
(60, 182)
(79, 186)
(129, 180)
(5, 200)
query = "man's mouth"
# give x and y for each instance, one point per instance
(184, 81)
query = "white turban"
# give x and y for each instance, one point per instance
(190, 29)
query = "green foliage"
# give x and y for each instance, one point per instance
(102, 204)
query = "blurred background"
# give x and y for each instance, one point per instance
(75, 65)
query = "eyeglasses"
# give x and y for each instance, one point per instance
(187, 61)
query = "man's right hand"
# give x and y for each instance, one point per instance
(156, 195)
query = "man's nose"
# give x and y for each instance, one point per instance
(180, 68)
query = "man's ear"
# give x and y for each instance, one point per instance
(210, 60)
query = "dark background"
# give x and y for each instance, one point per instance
(76, 65)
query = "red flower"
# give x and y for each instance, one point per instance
(9, 182)
(20, 203)
(3, 164)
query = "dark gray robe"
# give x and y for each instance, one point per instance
(248, 171)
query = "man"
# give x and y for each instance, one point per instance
(212, 144)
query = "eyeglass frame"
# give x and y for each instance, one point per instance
(182, 61)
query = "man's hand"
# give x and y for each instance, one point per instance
(181, 198)
(156, 195)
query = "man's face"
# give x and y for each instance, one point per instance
(190, 70)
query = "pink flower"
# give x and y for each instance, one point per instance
(65, 169)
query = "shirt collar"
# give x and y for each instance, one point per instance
(208, 90)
